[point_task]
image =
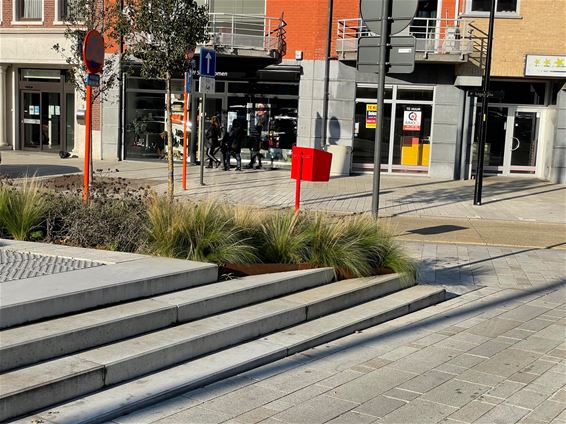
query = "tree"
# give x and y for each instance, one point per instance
(162, 32)
(107, 18)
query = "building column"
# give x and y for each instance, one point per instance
(3, 140)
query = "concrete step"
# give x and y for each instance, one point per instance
(126, 398)
(74, 291)
(37, 342)
(38, 386)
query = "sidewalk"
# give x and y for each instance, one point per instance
(516, 211)
(494, 354)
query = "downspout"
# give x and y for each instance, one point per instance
(323, 138)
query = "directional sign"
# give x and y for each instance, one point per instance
(401, 55)
(188, 82)
(206, 85)
(93, 80)
(207, 63)
(401, 12)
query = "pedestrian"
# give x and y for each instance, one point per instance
(232, 145)
(255, 147)
(213, 141)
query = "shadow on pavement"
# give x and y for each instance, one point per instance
(438, 229)
(21, 171)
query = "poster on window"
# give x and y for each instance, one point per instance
(371, 116)
(412, 119)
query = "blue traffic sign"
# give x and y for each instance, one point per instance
(207, 63)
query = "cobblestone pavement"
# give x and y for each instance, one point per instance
(494, 354)
(16, 265)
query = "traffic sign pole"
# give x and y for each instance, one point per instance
(86, 170)
(185, 101)
(384, 38)
(202, 138)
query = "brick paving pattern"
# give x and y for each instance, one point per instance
(15, 265)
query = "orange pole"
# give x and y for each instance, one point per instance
(298, 186)
(87, 144)
(186, 99)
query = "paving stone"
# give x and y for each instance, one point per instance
(242, 400)
(505, 389)
(494, 327)
(478, 377)
(158, 411)
(455, 393)
(372, 384)
(472, 411)
(295, 379)
(427, 381)
(340, 378)
(377, 363)
(380, 406)
(540, 367)
(352, 417)
(537, 344)
(255, 415)
(547, 411)
(507, 363)
(524, 313)
(401, 394)
(427, 412)
(523, 377)
(318, 410)
(489, 349)
(503, 414)
(398, 353)
(195, 415)
(466, 361)
(526, 398)
(426, 359)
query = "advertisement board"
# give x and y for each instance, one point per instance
(371, 116)
(412, 119)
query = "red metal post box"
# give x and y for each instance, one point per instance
(310, 164)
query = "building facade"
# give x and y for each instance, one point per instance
(272, 69)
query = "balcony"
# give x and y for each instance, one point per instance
(249, 35)
(437, 40)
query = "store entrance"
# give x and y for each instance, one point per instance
(41, 121)
(512, 141)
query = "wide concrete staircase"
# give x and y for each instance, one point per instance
(92, 365)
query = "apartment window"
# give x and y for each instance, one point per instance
(63, 12)
(29, 10)
(501, 6)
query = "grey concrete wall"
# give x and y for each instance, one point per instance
(341, 101)
(558, 171)
(446, 116)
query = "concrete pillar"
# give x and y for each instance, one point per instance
(3, 140)
(558, 171)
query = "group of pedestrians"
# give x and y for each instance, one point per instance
(230, 145)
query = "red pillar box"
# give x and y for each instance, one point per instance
(309, 165)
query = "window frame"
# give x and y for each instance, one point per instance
(470, 12)
(59, 18)
(17, 19)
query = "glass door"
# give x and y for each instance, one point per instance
(31, 122)
(51, 121)
(524, 143)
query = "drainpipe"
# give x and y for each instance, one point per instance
(324, 140)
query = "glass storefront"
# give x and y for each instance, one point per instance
(273, 105)
(407, 128)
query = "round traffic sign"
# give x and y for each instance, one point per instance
(93, 52)
(401, 13)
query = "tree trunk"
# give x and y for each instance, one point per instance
(170, 180)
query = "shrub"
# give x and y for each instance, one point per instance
(22, 209)
(201, 232)
(283, 238)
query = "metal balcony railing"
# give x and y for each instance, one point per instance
(433, 36)
(255, 32)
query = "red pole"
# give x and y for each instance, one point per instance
(298, 186)
(186, 99)
(87, 144)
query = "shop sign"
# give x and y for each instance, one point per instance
(371, 116)
(545, 66)
(412, 119)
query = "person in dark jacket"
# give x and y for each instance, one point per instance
(213, 142)
(255, 147)
(232, 145)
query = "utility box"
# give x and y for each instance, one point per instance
(310, 164)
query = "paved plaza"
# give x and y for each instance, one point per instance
(495, 352)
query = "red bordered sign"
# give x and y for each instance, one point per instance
(93, 51)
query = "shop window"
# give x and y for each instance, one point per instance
(522, 93)
(364, 133)
(501, 6)
(145, 124)
(411, 144)
(371, 92)
(29, 10)
(145, 84)
(40, 75)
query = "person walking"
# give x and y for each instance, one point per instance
(213, 141)
(232, 145)
(255, 147)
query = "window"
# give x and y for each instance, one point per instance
(29, 10)
(501, 6)
(63, 12)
